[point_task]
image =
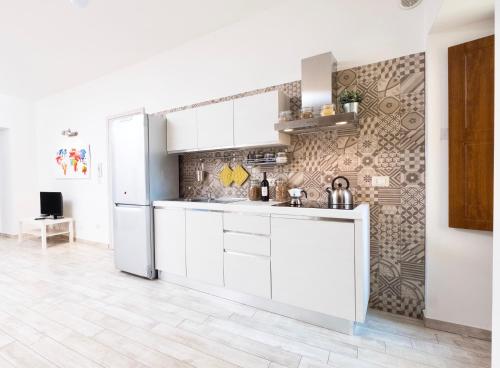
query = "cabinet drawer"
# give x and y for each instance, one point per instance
(248, 274)
(247, 243)
(246, 223)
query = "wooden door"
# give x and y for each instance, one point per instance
(471, 102)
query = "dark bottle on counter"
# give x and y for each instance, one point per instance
(264, 188)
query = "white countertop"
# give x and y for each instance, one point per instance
(360, 212)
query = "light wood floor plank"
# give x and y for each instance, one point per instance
(210, 347)
(61, 355)
(138, 352)
(272, 353)
(290, 345)
(20, 356)
(67, 306)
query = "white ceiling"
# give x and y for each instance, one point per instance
(51, 45)
(455, 13)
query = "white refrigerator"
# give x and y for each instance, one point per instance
(141, 172)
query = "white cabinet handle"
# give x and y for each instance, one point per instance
(312, 218)
(245, 254)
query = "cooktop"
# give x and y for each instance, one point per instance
(314, 204)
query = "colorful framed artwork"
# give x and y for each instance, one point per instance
(73, 162)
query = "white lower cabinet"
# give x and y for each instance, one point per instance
(170, 240)
(313, 265)
(204, 246)
(248, 273)
(303, 262)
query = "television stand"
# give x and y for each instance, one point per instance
(42, 228)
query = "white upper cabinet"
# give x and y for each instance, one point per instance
(243, 122)
(254, 119)
(182, 132)
(215, 125)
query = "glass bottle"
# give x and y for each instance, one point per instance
(264, 188)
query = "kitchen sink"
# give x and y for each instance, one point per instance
(211, 200)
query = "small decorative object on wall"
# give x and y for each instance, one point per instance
(350, 100)
(226, 176)
(240, 175)
(73, 162)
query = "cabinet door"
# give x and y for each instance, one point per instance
(170, 240)
(254, 119)
(471, 133)
(215, 125)
(313, 265)
(204, 246)
(247, 273)
(181, 130)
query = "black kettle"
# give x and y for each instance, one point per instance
(338, 196)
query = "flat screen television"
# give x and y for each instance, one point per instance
(51, 204)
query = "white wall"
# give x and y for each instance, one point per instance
(496, 210)
(458, 262)
(19, 163)
(264, 50)
(4, 177)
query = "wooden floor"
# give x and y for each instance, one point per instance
(68, 307)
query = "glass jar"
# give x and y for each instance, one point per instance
(281, 190)
(281, 158)
(316, 111)
(285, 116)
(254, 193)
(327, 110)
(306, 112)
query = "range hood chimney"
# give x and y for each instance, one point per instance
(317, 85)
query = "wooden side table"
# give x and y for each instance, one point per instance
(42, 228)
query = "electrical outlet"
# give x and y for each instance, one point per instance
(380, 181)
(99, 170)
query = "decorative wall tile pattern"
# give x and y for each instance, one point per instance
(390, 142)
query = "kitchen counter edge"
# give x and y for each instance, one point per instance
(360, 212)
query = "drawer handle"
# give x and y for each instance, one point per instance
(230, 252)
(243, 233)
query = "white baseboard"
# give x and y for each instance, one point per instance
(468, 331)
(8, 236)
(94, 243)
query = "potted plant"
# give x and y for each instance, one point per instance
(350, 100)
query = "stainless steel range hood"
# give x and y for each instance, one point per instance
(317, 85)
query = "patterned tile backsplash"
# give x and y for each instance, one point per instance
(390, 142)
